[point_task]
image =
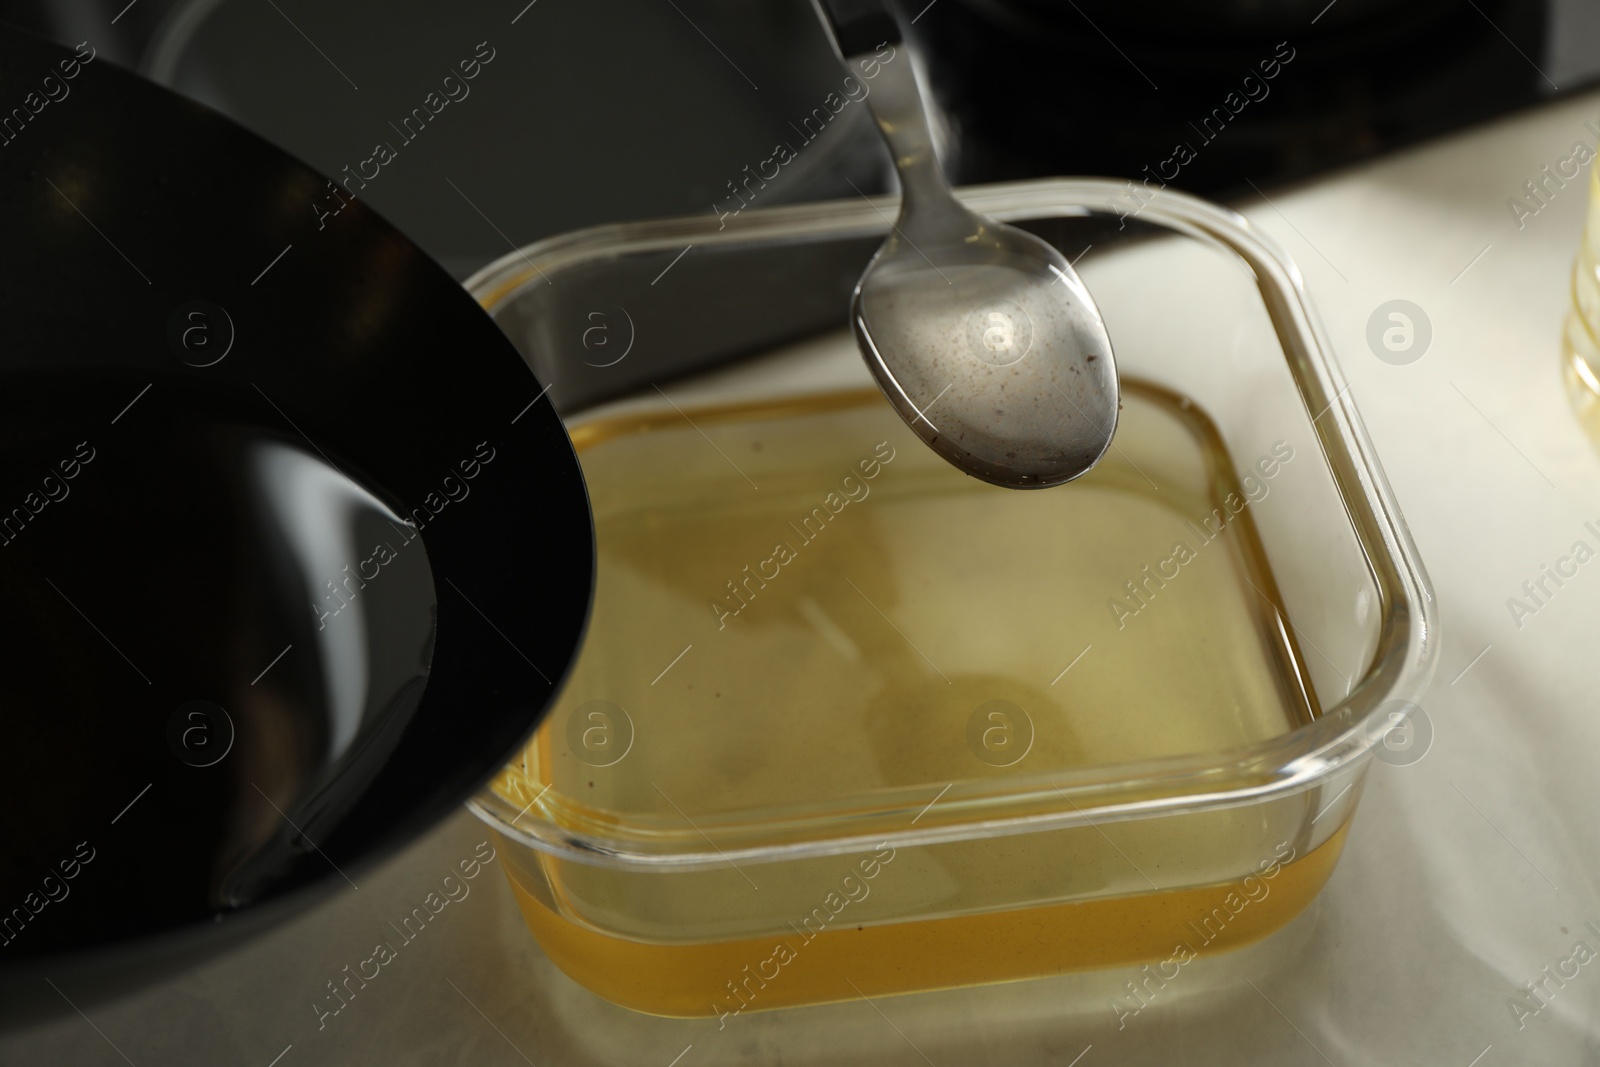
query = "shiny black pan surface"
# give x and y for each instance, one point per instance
(293, 552)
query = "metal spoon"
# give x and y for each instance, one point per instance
(982, 336)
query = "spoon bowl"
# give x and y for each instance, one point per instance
(1012, 377)
(982, 336)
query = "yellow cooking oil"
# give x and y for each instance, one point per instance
(807, 625)
(1580, 340)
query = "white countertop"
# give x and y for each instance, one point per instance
(1465, 873)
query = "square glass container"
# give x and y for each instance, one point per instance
(848, 723)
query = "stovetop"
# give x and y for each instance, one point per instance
(613, 110)
(1215, 101)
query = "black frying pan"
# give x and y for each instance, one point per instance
(293, 553)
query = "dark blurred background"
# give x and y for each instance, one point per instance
(608, 110)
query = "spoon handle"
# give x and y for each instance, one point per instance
(860, 31)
